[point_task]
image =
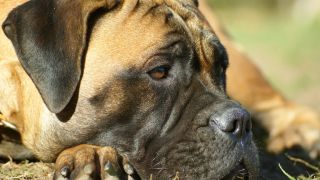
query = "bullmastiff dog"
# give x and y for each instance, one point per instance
(137, 89)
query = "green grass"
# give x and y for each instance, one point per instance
(315, 175)
(286, 49)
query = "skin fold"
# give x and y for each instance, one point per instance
(160, 126)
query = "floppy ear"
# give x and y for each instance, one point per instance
(50, 37)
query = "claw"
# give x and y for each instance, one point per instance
(65, 171)
(88, 169)
(128, 169)
(80, 162)
(315, 151)
(108, 167)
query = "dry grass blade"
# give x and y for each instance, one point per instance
(314, 176)
(26, 170)
(305, 163)
(287, 174)
(177, 176)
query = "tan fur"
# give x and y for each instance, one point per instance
(86, 157)
(22, 105)
(17, 94)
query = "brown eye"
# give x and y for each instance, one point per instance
(160, 72)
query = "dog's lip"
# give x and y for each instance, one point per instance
(241, 171)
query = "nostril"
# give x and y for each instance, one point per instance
(238, 127)
(234, 121)
(248, 126)
(7, 28)
(234, 126)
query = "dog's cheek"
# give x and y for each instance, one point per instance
(121, 97)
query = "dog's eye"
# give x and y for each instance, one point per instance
(160, 72)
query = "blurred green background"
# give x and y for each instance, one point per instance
(283, 39)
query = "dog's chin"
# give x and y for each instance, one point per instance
(207, 155)
(245, 169)
(241, 171)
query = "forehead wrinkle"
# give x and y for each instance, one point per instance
(119, 33)
(126, 39)
(157, 8)
(200, 29)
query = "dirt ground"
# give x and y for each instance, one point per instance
(26, 170)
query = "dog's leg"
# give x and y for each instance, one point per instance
(9, 91)
(10, 141)
(288, 124)
(19, 111)
(92, 162)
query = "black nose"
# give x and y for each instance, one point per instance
(234, 121)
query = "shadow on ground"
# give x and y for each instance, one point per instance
(270, 162)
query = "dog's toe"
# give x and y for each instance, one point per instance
(315, 150)
(293, 126)
(91, 162)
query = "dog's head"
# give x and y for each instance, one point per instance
(146, 77)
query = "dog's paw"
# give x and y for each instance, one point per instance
(304, 136)
(293, 125)
(92, 162)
